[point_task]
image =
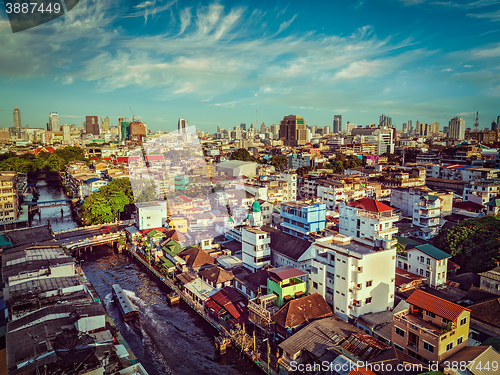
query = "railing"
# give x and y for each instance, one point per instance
(401, 317)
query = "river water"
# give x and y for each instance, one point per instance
(166, 340)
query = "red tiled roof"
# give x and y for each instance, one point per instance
(154, 157)
(185, 199)
(436, 305)
(126, 159)
(452, 266)
(303, 309)
(371, 205)
(468, 205)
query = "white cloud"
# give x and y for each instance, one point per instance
(227, 104)
(67, 80)
(185, 17)
(359, 69)
(486, 52)
(285, 25)
(206, 100)
(447, 70)
(490, 16)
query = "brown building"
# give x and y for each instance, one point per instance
(91, 125)
(293, 131)
(137, 131)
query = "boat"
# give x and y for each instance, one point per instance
(173, 298)
(127, 308)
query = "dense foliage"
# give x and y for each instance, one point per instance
(105, 205)
(44, 162)
(280, 162)
(242, 154)
(474, 244)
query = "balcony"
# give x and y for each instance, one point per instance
(429, 214)
(380, 216)
(413, 346)
(420, 326)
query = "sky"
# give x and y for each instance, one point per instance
(222, 63)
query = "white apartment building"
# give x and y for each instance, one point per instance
(255, 248)
(353, 278)
(481, 192)
(456, 128)
(333, 192)
(405, 198)
(291, 179)
(427, 214)
(425, 260)
(369, 222)
(490, 281)
(151, 214)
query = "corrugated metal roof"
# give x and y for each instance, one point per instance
(436, 305)
(286, 272)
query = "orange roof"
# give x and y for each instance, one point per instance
(371, 205)
(436, 305)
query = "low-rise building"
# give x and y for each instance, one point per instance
(151, 214)
(425, 260)
(301, 218)
(490, 281)
(426, 215)
(431, 329)
(287, 283)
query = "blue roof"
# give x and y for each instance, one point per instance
(465, 167)
(90, 180)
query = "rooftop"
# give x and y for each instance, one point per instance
(431, 251)
(436, 305)
(370, 205)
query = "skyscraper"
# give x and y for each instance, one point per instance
(385, 121)
(17, 119)
(434, 128)
(405, 128)
(337, 124)
(456, 129)
(66, 129)
(105, 124)
(91, 125)
(53, 125)
(326, 130)
(410, 127)
(293, 131)
(263, 128)
(182, 125)
(243, 127)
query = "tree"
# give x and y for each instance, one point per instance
(473, 244)
(54, 163)
(143, 190)
(304, 170)
(241, 154)
(391, 158)
(280, 162)
(103, 206)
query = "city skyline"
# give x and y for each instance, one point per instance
(218, 63)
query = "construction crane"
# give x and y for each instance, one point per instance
(133, 117)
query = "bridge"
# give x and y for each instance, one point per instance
(86, 237)
(34, 206)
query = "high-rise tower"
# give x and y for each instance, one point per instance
(337, 124)
(182, 125)
(91, 125)
(17, 119)
(53, 125)
(293, 131)
(456, 129)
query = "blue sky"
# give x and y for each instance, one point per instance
(218, 63)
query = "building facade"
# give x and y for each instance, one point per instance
(300, 219)
(293, 131)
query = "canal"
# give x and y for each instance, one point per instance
(166, 340)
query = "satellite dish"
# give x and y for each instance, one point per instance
(73, 347)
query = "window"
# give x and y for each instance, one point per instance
(399, 264)
(428, 261)
(463, 321)
(148, 217)
(428, 347)
(343, 294)
(449, 346)
(368, 300)
(445, 321)
(430, 314)
(315, 285)
(427, 274)
(400, 332)
(460, 340)
(400, 348)
(314, 270)
(421, 271)
(369, 283)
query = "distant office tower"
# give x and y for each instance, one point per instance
(91, 125)
(137, 131)
(275, 129)
(434, 128)
(243, 127)
(349, 126)
(445, 130)
(385, 121)
(66, 129)
(423, 129)
(293, 131)
(17, 118)
(410, 127)
(105, 124)
(337, 124)
(263, 128)
(405, 128)
(236, 133)
(326, 130)
(53, 125)
(182, 125)
(456, 128)
(252, 127)
(497, 124)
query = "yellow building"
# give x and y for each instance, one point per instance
(179, 223)
(431, 329)
(8, 196)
